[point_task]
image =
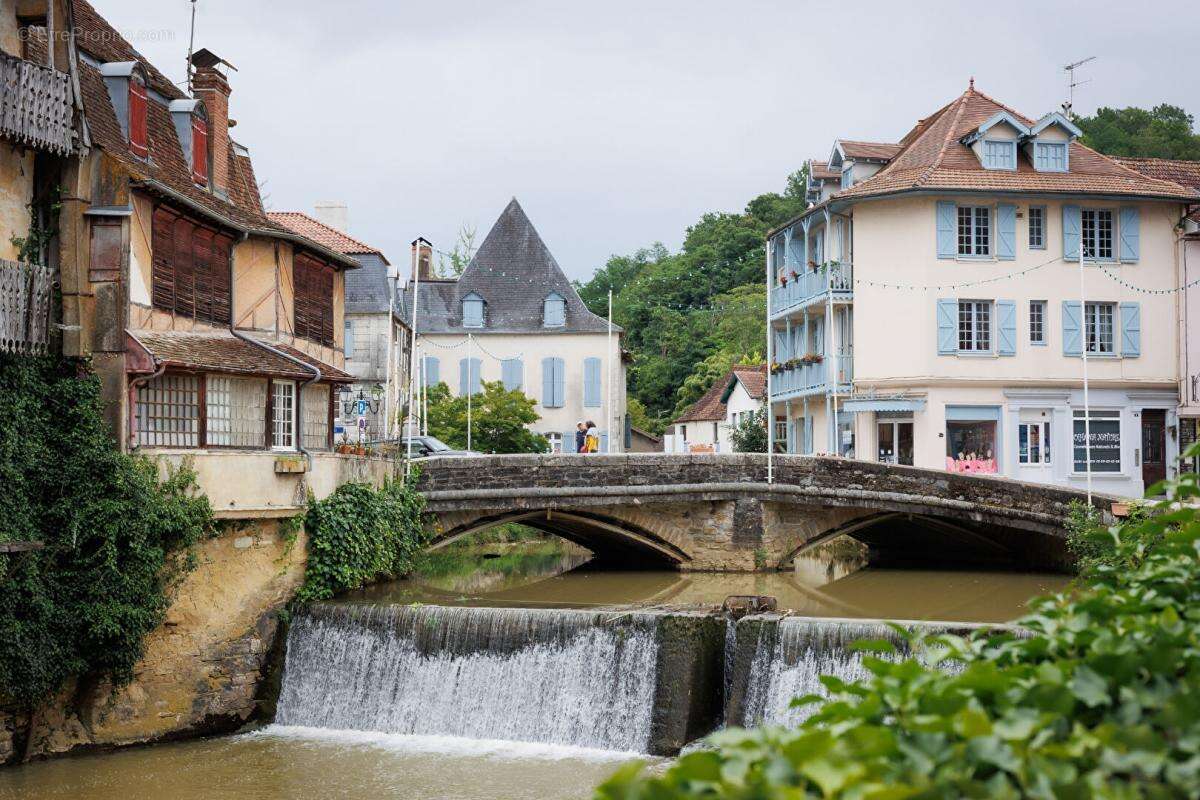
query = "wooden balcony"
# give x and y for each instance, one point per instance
(25, 292)
(35, 106)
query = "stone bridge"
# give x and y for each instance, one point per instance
(720, 513)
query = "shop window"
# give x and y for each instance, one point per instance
(168, 412)
(1033, 442)
(1102, 431)
(235, 411)
(971, 446)
(895, 442)
(283, 415)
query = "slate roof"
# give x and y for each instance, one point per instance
(166, 172)
(221, 351)
(712, 407)
(932, 158)
(513, 271)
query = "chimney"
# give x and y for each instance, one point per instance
(332, 213)
(422, 259)
(210, 85)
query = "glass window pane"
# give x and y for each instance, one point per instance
(168, 412)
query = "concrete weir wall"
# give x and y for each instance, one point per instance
(201, 669)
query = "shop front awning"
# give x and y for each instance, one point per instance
(855, 405)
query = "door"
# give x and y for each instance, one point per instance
(895, 443)
(1154, 446)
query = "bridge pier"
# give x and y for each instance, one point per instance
(718, 513)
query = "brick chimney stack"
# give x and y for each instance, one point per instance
(422, 259)
(210, 85)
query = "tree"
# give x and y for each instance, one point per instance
(1163, 132)
(461, 255)
(498, 420)
(640, 418)
(750, 434)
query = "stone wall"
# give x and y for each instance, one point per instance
(202, 667)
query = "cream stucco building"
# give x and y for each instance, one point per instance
(928, 309)
(514, 317)
(707, 426)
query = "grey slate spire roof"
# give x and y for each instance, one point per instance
(513, 271)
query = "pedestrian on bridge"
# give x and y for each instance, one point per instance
(580, 437)
(591, 442)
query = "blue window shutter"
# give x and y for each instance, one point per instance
(568, 442)
(1006, 230)
(1072, 315)
(947, 229)
(628, 432)
(1128, 230)
(1070, 216)
(591, 382)
(548, 382)
(1131, 330)
(348, 340)
(947, 326)
(430, 375)
(510, 373)
(559, 383)
(1006, 314)
(553, 312)
(464, 380)
(604, 442)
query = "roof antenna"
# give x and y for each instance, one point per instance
(1071, 83)
(191, 46)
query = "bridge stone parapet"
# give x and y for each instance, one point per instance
(722, 512)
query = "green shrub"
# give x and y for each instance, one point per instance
(116, 538)
(1102, 699)
(359, 534)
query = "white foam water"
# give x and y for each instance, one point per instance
(577, 678)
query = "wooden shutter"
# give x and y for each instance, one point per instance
(202, 242)
(1129, 233)
(199, 151)
(1131, 330)
(185, 277)
(313, 301)
(1006, 231)
(162, 273)
(1071, 220)
(510, 373)
(1006, 315)
(222, 251)
(947, 326)
(548, 382)
(559, 383)
(1072, 317)
(591, 383)
(947, 229)
(137, 119)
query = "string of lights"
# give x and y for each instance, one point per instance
(1143, 290)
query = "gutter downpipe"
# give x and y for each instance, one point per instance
(316, 373)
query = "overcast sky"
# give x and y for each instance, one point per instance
(617, 123)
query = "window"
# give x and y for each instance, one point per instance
(199, 150)
(1033, 442)
(975, 326)
(847, 176)
(1050, 156)
(555, 440)
(235, 411)
(1037, 227)
(971, 446)
(168, 412)
(781, 433)
(137, 117)
(554, 312)
(1098, 327)
(1097, 233)
(974, 231)
(472, 311)
(895, 442)
(1037, 321)
(999, 154)
(314, 423)
(313, 299)
(348, 339)
(1102, 431)
(190, 272)
(283, 415)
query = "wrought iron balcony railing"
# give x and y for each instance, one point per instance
(35, 106)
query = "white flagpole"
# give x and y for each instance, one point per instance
(1083, 351)
(424, 400)
(412, 355)
(470, 386)
(770, 406)
(608, 388)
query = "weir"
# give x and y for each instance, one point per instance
(646, 681)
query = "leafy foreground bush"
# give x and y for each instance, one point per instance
(1102, 700)
(360, 533)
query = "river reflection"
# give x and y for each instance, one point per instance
(818, 586)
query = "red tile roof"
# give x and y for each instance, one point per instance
(884, 151)
(1185, 173)
(221, 351)
(711, 406)
(932, 158)
(321, 233)
(820, 171)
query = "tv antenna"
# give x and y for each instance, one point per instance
(1071, 82)
(191, 46)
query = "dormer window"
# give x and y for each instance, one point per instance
(472, 311)
(554, 311)
(138, 140)
(191, 126)
(999, 154)
(847, 176)
(1050, 156)
(200, 150)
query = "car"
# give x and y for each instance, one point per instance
(433, 447)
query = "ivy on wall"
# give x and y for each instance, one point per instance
(115, 537)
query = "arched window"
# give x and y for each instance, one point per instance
(472, 311)
(554, 311)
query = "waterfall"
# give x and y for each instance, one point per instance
(790, 657)
(553, 676)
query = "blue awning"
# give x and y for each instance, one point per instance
(854, 406)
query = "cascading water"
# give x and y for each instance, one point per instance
(791, 656)
(565, 677)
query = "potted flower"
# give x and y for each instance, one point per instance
(783, 279)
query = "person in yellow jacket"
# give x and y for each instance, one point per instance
(591, 440)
